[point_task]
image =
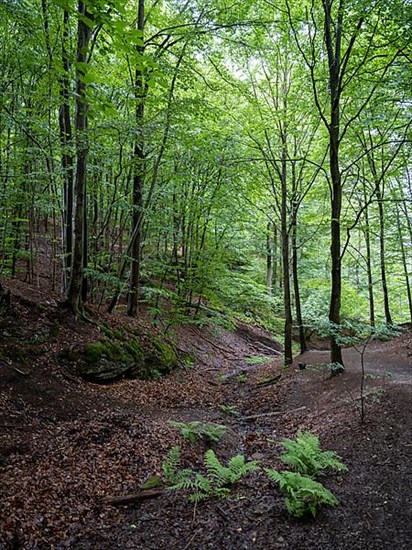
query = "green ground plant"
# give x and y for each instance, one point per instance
(303, 494)
(306, 457)
(215, 483)
(196, 430)
(230, 410)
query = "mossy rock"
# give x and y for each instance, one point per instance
(110, 360)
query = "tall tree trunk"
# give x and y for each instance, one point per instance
(269, 258)
(369, 267)
(139, 176)
(299, 320)
(66, 140)
(379, 195)
(285, 258)
(404, 263)
(275, 283)
(333, 45)
(76, 276)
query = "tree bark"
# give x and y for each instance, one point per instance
(285, 257)
(369, 268)
(404, 263)
(67, 161)
(379, 195)
(298, 309)
(333, 45)
(76, 276)
(140, 91)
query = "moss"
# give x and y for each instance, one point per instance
(118, 334)
(134, 349)
(93, 352)
(112, 359)
(107, 331)
(165, 356)
(54, 328)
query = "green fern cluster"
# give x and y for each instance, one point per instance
(194, 431)
(306, 457)
(302, 493)
(215, 483)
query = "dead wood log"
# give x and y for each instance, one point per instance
(273, 380)
(273, 351)
(127, 499)
(273, 413)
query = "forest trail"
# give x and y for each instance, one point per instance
(65, 444)
(387, 365)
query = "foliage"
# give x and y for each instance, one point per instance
(196, 430)
(215, 483)
(302, 494)
(258, 360)
(306, 457)
(230, 410)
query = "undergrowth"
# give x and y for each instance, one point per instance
(215, 482)
(196, 430)
(306, 457)
(302, 493)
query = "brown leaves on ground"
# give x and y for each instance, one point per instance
(65, 443)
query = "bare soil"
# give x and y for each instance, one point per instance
(65, 443)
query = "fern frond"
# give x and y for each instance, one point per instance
(171, 464)
(302, 493)
(306, 457)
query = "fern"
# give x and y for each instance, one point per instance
(302, 494)
(171, 464)
(306, 456)
(215, 483)
(193, 431)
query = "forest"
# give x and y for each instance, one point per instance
(205, 216)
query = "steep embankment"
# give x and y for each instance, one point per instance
(66, 443)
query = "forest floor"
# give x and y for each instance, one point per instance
(65, 444)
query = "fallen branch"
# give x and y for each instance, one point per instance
(273, 380)
(274, 413)
(10, 366)
(264, 346)
(127, 499)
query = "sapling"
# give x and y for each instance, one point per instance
(363, 336)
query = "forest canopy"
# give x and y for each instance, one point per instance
(248, 157)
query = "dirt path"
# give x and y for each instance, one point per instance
(64, 444)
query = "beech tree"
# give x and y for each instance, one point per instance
(249, 159)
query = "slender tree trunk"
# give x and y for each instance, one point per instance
(299, 320)
(67, 160)
(269, 259)
(379, 195)
(369, 268)
(285, 258)
(76, 276)
(404, 263)
(275, 283)
(333, 45)
(138, 179)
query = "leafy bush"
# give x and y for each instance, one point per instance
(306, 457)
(215, 483)
(302, 494)
(194, 431)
